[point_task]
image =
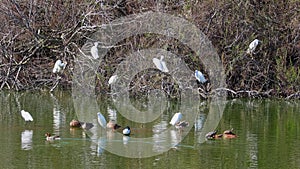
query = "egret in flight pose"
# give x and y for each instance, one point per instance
(253, 46)
(26, 115)
(59, 66)
(200, 77)
(101, 120)
(126, 131)
(160, 64)
(94, 51)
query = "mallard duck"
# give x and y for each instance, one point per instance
(112, 125)
(51, 138)
(75, 123)
(182, 124)
(229, 134)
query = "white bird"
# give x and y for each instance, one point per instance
(26, 115)
(200, 77)
(160, 64)
(94, 51)
(176, 118)
(126, 131)
(101, 120)
(253, 46)
(59, 66)
(113, 79)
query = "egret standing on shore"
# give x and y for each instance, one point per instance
(253, 46)
(94, 51)
(26, 115)
(200, 77)
(160, 64)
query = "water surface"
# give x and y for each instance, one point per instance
(268, 136)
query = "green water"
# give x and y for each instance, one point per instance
(268, 136)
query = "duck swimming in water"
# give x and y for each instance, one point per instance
(126, 131)
(229, 134)
(112, 125)
(51, 138)
(213, 135)
(75, 123)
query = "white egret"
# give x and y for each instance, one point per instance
(176, 118)
(200, 77)
(59, 66)
(160, 64)
(253, 46)
(126, 131)
(94, 51)
(51, 138)
(26, 115)
(113, 79)
(101, 120)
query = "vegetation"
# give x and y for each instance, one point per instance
(34, 34)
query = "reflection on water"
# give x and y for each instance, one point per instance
(26, 139)
(268, 136)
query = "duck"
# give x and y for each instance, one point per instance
(126, 131)
(112, 125)
(182, 124)
(75, 123)
(51, 138)
(229, 134)
(78, 124)
(213, 135)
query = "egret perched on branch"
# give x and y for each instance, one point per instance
(26, 115)
(200, 77)
(176, 119)
(94, 51)
(160, 64)
(126, 131)
(59, 66)
(101, 120)
(253, 46)
(113, 79)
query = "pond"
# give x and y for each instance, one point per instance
(268, 135)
